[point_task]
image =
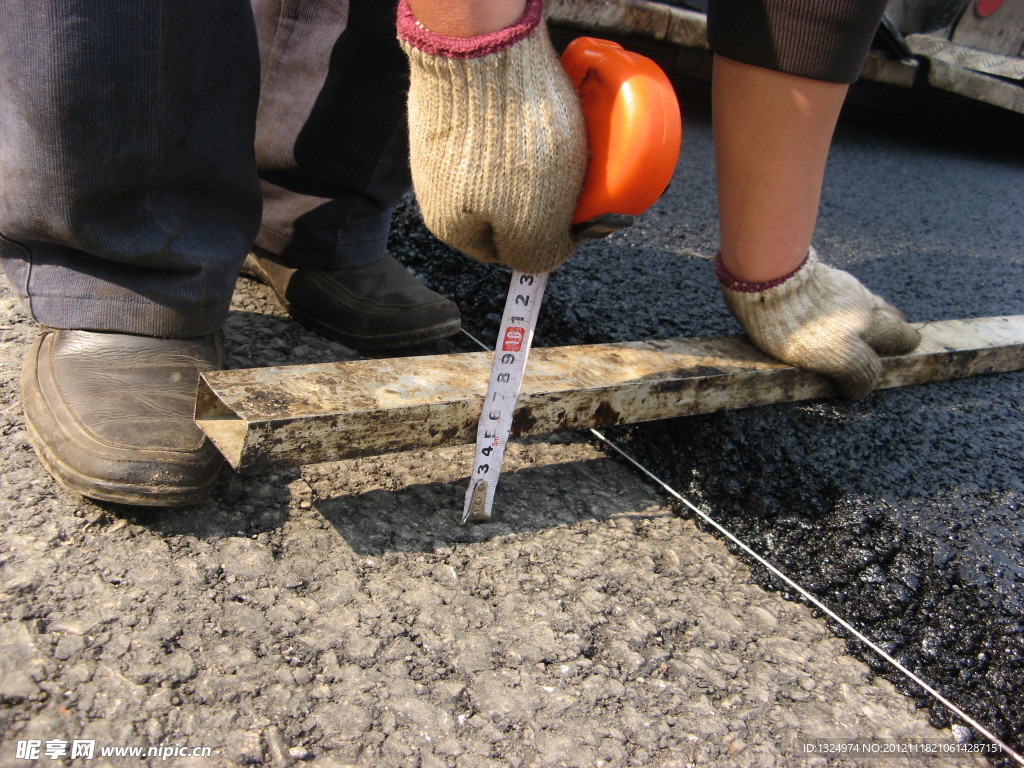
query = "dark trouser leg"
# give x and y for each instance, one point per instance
(820, 39)
(331, 142)
(129, 188)
(332, 153)
(130, 198)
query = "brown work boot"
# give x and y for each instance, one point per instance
(111, 415)
(374, 306)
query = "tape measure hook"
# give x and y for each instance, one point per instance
(476, 510)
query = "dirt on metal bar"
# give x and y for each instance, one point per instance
(312, 413)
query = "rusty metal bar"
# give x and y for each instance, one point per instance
(312, 413)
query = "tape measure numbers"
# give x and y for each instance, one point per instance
(515, 336)
(634, 133)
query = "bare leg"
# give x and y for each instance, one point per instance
(772, 134)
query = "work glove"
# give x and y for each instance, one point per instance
(821, 319)
(497, 141)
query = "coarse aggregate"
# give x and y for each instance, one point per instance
(334, 615)
(902, 511)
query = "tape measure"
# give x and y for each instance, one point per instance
(634, 133)
(634, 128)
(522, 306)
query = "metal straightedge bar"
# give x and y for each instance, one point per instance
(312, 413)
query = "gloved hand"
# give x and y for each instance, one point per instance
(497, 141)
(822, 319)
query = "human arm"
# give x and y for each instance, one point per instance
(467, 18)
(774, 114)
(497, 137)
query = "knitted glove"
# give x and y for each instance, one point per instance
(821, 319)
(497, 141)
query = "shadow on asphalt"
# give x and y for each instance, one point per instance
(243, 505)
(421, 517)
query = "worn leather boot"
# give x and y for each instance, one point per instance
(375, 306)
(111, 415)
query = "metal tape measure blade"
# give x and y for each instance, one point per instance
(507, 368)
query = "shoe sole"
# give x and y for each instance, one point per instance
(251, 269)
(71, 479)
(89, 488)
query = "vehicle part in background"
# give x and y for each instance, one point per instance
(931, 16)
(965, 58)
(985, 8)
(995, 27)
(926, 46)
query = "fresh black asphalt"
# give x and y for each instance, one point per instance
(903, 511)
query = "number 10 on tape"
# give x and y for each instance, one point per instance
(510, 353)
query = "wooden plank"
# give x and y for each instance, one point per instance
(312, 413)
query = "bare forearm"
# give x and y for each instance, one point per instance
(467, 18)
(772, 135)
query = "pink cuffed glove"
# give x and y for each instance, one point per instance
(821, 319)
(497, 141)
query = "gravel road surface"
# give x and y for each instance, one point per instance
(334, 615)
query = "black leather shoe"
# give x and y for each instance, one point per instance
(111, 415)
(375, 306)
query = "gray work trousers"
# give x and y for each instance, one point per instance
(139, 142)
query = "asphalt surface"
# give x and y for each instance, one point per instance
(334, 615)
(901, 511)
